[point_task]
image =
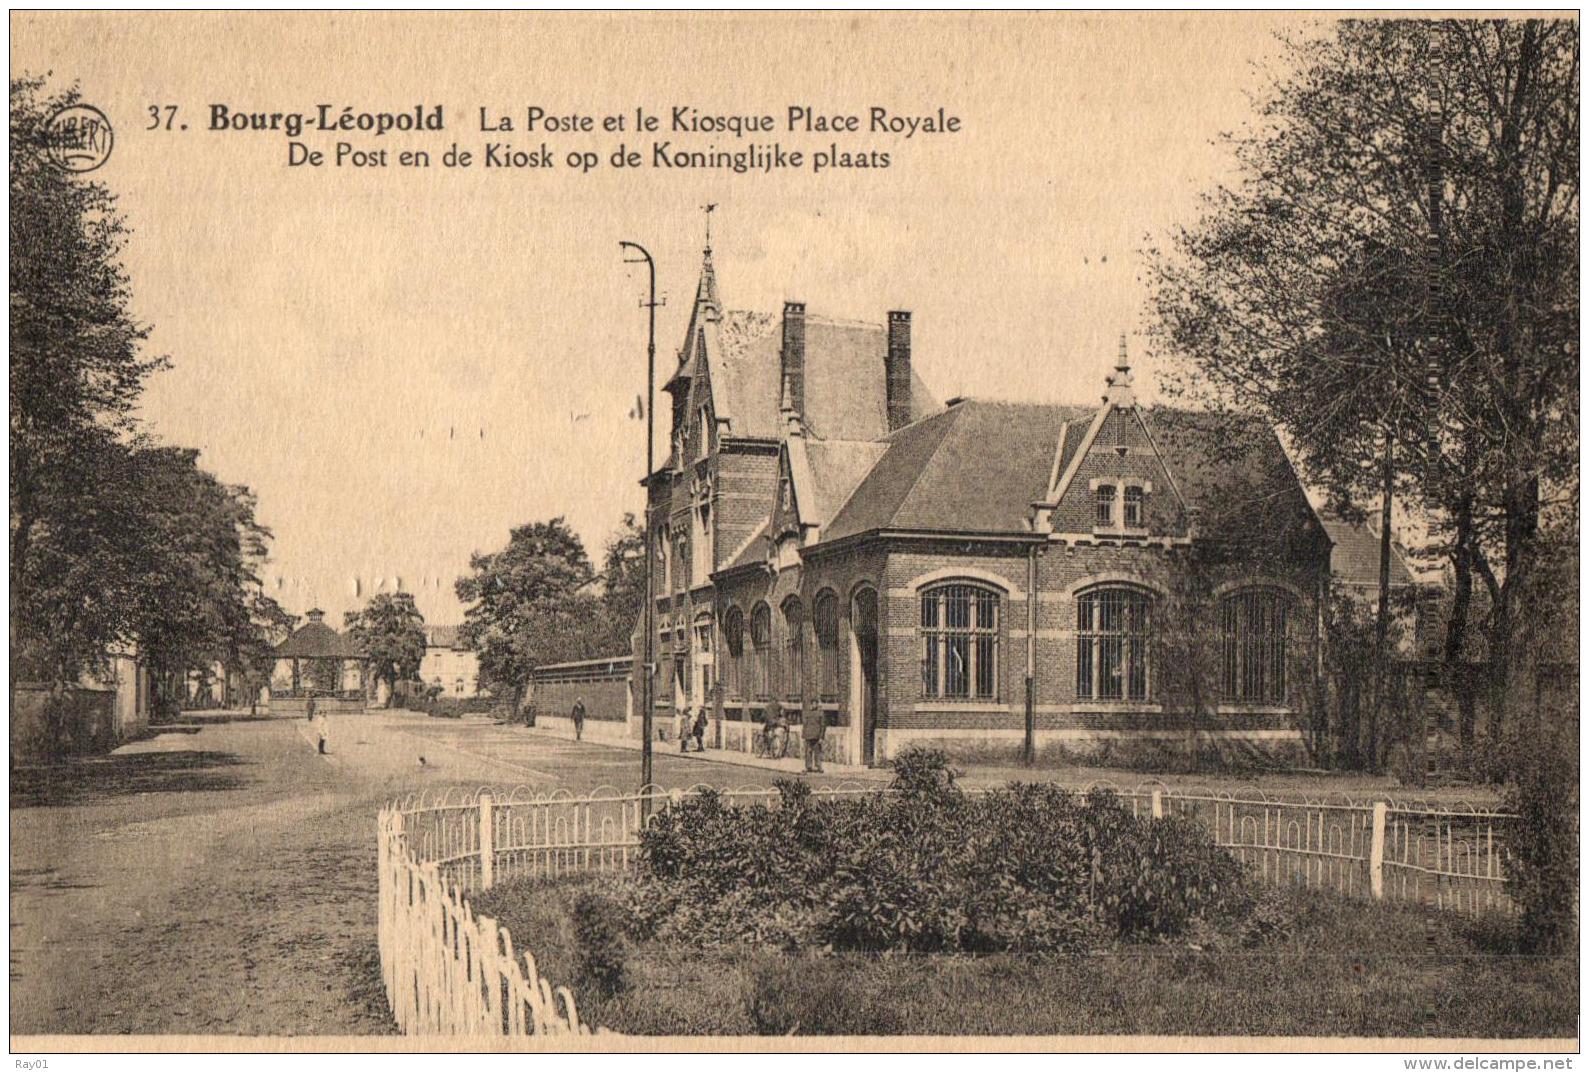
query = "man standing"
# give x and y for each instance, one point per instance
(579, 718)
(814, 724)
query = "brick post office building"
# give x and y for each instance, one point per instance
(988, 577)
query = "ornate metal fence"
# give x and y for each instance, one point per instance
(450, 971)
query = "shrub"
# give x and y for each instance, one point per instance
(599, 944)
(928, 868)
(923, 772)
(1542, 865)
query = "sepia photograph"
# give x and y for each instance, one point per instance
(790, 531)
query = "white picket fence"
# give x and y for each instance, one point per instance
(447, 970)
(450, 971)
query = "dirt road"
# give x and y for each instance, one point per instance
(219, 877)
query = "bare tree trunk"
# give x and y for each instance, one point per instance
(1382, 619)
(1457, 628)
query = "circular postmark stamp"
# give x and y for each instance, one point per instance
(78, 138)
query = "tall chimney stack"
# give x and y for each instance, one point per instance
(896, 369)
(792, 357)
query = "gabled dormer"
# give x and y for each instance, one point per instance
(1109, 481)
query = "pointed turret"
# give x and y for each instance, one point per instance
(708, 309)
(707, 303)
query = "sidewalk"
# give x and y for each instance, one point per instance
(789, 765)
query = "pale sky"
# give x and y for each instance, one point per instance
(396, 360)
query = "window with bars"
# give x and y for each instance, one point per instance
(1253, 626)
(1114, 635)
(1131, 511)
(960, 642)
(825, 620)
(1105, 513)
(792, 673)
(761, 650)
(734, 643)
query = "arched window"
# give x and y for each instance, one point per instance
(960, 642)
(1253, 645)
(825, 622)
(734, 642)
(761, 646)
(792, 673)
(1114, 633)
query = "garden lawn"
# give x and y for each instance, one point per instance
(1332, 967)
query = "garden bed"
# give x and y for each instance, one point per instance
(1338, 968)
(1025, 910)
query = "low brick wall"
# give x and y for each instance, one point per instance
(85, 720)
(603, 684)
(299, 706)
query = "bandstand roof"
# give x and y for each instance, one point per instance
(316, 640)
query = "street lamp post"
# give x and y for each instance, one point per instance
(649, 618)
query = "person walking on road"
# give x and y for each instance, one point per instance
(699, 730)
(814, 727)
(322, 731)
(309, 710)
(681, 727)
(579, 718)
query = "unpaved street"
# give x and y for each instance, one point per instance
(219, 877)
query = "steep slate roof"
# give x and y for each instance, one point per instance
(836, 467)
(845, 396)
(753, 550)
(976, 467)
(1232, 469)
(1354, 559)
(979, 466)
(316, 640)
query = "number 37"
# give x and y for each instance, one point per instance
(161, 116)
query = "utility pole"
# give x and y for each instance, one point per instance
(649, 618)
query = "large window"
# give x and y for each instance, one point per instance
(792, 673)
(825, 621)
(1131, 517)
(734, 642)
(960, 642)
(761, 650)
(1253, 646)
(1114, 633)
(1104, 509)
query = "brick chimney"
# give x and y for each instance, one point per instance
(792, 358)
(896, 369)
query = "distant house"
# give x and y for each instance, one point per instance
(825, 531)
(448, 663)
(1416, 605)
(105, 710)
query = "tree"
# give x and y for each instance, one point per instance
(76, 373)
(623, 583)
(1393, 279)
(529, 604)
(390, 632)
(192, 583)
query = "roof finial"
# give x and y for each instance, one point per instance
(1120, 393)
(706, 294)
